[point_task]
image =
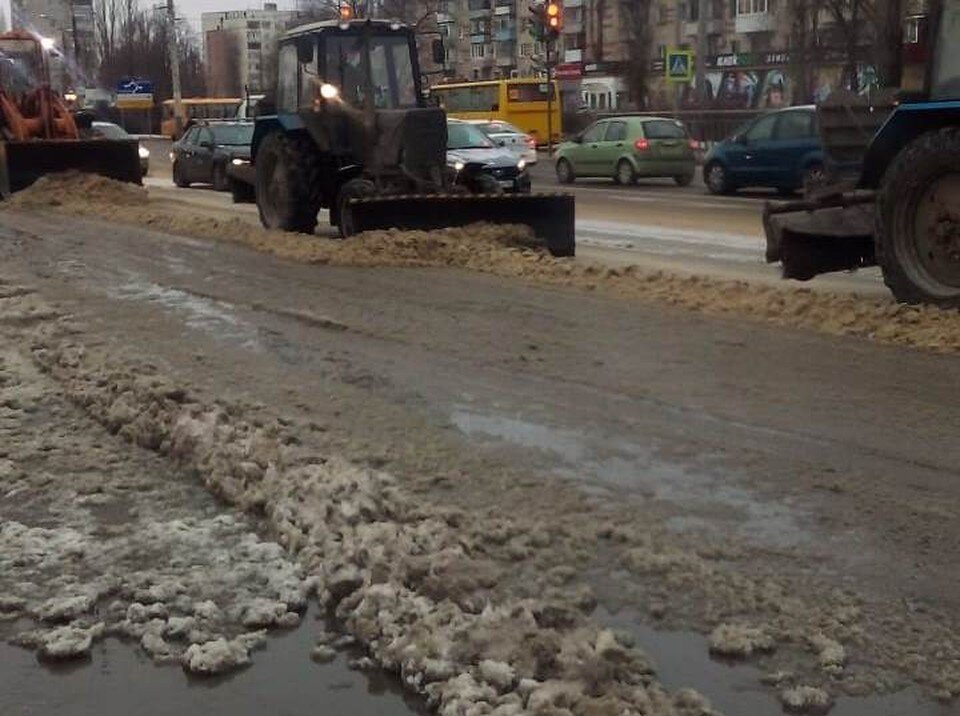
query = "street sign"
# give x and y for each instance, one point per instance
(679, 66)
(134, 94)
(134, 86)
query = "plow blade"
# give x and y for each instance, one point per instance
(809, 238)
(22, 163)
(549, 216)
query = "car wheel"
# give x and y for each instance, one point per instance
(220, 181)
(565, 174)
(626, 175)
(814, 177)
(716, 178)
(178, 178)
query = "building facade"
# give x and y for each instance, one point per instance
(240, 49)
(753, 54)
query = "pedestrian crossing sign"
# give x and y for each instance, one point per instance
(679, 65)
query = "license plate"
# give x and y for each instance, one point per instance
(506, 184)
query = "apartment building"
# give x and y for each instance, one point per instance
(754, 57)
(240, 48)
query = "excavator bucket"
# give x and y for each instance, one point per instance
(549, 216)
(22, 163)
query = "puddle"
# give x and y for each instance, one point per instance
(633, 467)
(682, 660)
(119, 681)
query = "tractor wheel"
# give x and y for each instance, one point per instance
(353, 189)
(918, 221)
(178, 178)
(287, 183)
(220, 180)
(486, 184)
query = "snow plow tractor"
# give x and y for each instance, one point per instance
(38, 134)
(351, 131)
(892, 197)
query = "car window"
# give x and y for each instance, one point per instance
(191, 136)
(795, 125)
(110, 131)
(762, 129)
(616, 131)
(461, 135)
(205, 137)
(233, 134)
(595, 132)
(663, 129)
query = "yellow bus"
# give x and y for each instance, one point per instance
(198, 108)
(521, 102)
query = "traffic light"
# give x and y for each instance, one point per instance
(554, 14)
(538, 24)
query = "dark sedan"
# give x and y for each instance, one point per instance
(206, 149)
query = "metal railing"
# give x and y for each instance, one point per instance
(704, 125)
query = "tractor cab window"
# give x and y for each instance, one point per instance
(946, 59)
(287, 88)
(21, 66)
(391, 70)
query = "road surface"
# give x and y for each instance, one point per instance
(656, 224)
(666, 472)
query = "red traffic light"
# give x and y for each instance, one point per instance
(554, 16)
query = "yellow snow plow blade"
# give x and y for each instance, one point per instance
(549, 216)
(22, 163)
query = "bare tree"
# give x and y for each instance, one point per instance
(637, 31)
(804, 39)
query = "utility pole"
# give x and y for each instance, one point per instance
(549, 65)
(700, 59)
(175, 69)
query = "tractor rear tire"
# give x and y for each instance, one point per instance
(288, 183)
(353, 189)
(917, 237)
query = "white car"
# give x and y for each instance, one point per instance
(506, 135)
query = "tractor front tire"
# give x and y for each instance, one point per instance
(353, 189)
(918, 221)
(288, 183)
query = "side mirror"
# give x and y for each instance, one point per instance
(439, 51)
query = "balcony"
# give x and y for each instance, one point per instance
(713, 26)
(444, 18)
(479, 38)
(755, 22)
(503, 10)
(506, 34)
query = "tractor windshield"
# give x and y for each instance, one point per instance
(391, 70)
(946, 59)
(21, 68)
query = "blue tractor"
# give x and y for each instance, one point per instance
(893, 194)
(350, 130)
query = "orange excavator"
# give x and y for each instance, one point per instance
(38, 134)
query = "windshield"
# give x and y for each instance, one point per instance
(20, 69)
(466, 136)
(233, 134)
(946, 61)
(499, 128)
(110, 131)
(391, 70)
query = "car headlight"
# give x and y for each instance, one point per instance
(458, 166)
(173, 157)
(328, 91)
(239, 162)
(144, 153)
(521, 164)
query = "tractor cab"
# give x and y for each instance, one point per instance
(945, 63)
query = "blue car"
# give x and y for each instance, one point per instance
(780, 150)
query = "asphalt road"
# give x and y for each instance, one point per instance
(807, 448)
(655, 223)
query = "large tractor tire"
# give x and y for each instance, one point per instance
(288, 183)
(918, 221)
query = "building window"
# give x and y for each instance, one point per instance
(692, 11)
(445, 30)
(526, 49)
(912, 30)
(478, 51)
(751, 7)
(662, 51)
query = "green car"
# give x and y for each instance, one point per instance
(626, 148)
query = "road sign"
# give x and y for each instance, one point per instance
(679, 66)
(134, 86)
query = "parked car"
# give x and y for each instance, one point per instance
(480, 164)
(108, 130)
(780, 150)
(205, 150)
(506, 135)
(627, 148)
